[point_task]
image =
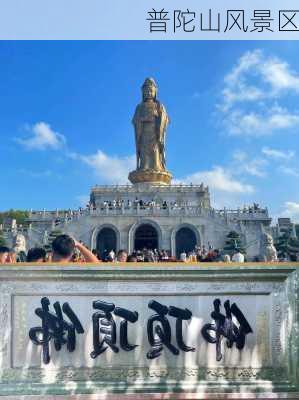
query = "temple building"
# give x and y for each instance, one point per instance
(151, 212)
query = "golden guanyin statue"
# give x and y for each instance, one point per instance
(150, 122)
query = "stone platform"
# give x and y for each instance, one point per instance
(164, 396)
(187, 209)
(266, 367)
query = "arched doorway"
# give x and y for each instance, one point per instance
(146, 236)
(106, 241)
(185, 240)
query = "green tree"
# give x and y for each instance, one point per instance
(287, 245)
(19, 215)
(233, 242)
(2, 240)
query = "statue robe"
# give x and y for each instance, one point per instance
(150, 122)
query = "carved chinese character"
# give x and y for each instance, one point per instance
(55, 327)
(159, 329)
(104, 328)
(225, 327)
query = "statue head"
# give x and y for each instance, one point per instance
(267, 239)
(149, 89)
(19, 243)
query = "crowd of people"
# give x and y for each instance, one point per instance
(137, 203)
(199, 254)
(66, 249)
(144, 255)
(145, 204)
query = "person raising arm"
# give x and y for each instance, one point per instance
(87, 254)
(63, 247)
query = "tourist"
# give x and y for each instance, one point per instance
(199, 256)
(111, 256)
(36, 254)
(122, 256)
(4, 255)
(48, 257)
(132, 258)
(226, 258)
(63, 248)
(238, 257)
(164, 256)
(183, 256)
(150, 256)
(192, 256)
(139, 256)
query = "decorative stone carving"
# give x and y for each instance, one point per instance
(268, 251)
(19, 246)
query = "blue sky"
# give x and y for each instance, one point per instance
(66, 110)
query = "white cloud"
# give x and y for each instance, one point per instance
(250, 94)
(246, 62)
(278, 154)
(260, 123)
(257, 76)
(243, 164)
(111, 169)
(279, 75)
(219, 179)
(239, 155)
(255, 167)
(42, 137)
(289, 171)
(291, 210)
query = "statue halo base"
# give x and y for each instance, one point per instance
(150, 176)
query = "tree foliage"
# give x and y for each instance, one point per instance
(19, 215)
(287, 245)
(233, 242)
(2, 240)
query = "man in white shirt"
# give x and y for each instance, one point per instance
(183, 257)
(238, 257)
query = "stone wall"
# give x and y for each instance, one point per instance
(267, 295)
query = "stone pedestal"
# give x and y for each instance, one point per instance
(150, 176)
(266, 367)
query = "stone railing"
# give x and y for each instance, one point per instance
(150, 211)
(149, 188)
(244, 214)
(224, 212)
(49, 215)
(225, 215)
